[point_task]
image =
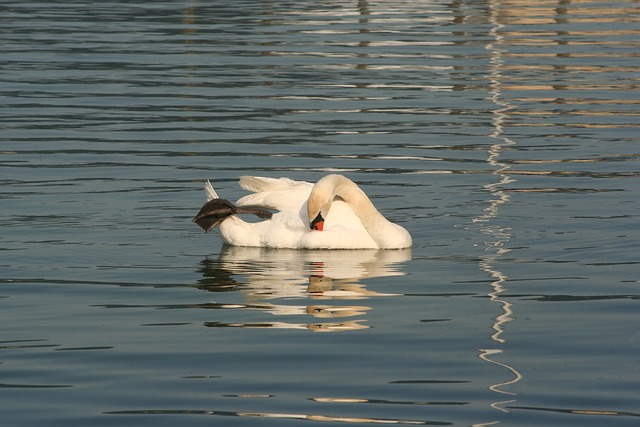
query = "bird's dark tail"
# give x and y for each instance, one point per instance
(217, 210)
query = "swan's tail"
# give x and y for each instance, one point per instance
(217, 210)
(211, 193)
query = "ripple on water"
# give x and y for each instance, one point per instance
(503, 135)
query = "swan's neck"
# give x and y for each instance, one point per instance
(361, 206)
(382, 231)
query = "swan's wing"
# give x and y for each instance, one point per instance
(259, 184)
(282, 194)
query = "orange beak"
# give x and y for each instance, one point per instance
(318, 223)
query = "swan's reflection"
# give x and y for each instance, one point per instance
(263, 275)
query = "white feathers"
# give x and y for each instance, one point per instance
(211, 193)
(281, 194)
(350, 219)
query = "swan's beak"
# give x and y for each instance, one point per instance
(317, 223)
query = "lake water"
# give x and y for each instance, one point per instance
(503, 134)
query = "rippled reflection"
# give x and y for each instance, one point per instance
(263, 276)
(528, 109)
(495, 248)
(293, 416)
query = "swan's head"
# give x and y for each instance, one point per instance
(320, 200)
(318, 209)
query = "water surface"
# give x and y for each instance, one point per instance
(502, 134)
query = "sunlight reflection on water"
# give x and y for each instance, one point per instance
(502, 134)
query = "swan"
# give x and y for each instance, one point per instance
(333, 213)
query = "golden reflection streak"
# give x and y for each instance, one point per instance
(590, 33)
(282, 415)
(311, 417)
(580, 101)
(580, 68)
(188, 21)
(578, 125)
(574, 55)
(542, 42)
(579, 113)
(545, 87)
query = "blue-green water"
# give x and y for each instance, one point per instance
(502, 134)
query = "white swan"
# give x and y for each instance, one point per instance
(332, 214)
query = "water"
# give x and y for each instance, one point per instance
(503, 135)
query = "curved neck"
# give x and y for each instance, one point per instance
(382, 231)
(361, 205)
(386, 234)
